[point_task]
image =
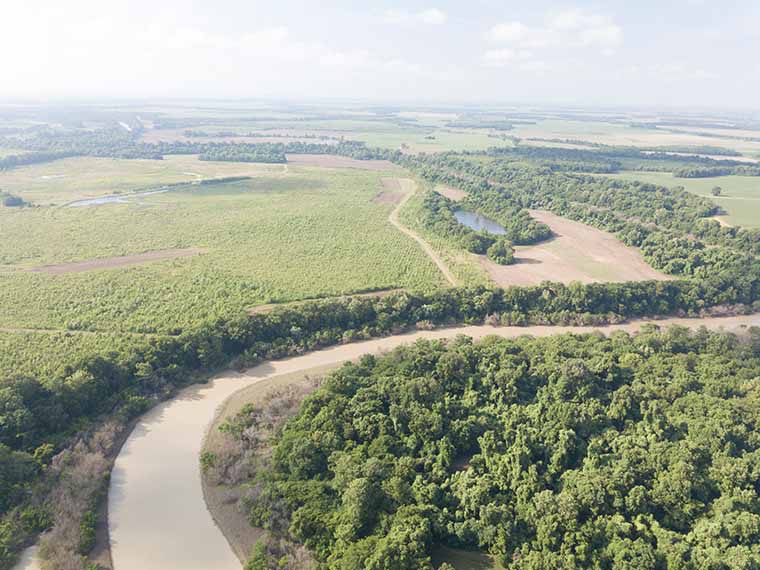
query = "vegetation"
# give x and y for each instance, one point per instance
(438, 216)
(578, 451)
(738, 201)
(238, 225)
(291, 235)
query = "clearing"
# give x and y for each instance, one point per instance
(577, 253)
(453, 194)
(392, 192)
(114, 262)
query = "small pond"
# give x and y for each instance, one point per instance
(478, 222)
(115, 199)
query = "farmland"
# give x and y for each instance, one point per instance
(256, 237)
(79, 178)
(576, 253)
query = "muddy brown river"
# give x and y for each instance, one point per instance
(158, 519)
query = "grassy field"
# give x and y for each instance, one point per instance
(71, 179)
(740, 196)
(306, 233)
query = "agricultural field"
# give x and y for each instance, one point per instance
(71, 179)
(276, 238)
(577, 253)
(739, 197)
(620, 134)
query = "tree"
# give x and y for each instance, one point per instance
(717, 191)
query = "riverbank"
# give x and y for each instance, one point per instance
(221, 503)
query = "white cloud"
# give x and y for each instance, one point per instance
(431, 16)
(567, 28)
(508, 32)
(505, 56)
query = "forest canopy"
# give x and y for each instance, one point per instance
(629, 452)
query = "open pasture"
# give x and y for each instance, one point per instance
(577, 253)
(307, 233)
(63, 181)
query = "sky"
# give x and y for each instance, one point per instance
(665, 53)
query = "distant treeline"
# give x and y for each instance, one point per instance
(254, 135)
(710, 172)
(14, 160)
(484, 124)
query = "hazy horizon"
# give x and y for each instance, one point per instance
(686, 54)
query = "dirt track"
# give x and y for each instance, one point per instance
(410, 187)
(115, 262)
(577, 253)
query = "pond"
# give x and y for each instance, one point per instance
(478, 222)
(115, 198)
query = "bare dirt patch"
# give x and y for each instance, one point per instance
(332, 161)
(453, 194)
(115, 262)
(577, 253)
(721, 221)
(392, 192)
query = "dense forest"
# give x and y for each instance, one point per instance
(630, 452)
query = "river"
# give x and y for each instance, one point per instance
(157, 516)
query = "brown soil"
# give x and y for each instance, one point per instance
(114, 262)
(453, 194)
(577, 253)
(332, 161)
(392, 193)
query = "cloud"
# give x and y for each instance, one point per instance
(573, 27)
(431, 16)
(505, 56)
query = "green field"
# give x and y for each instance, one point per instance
(740, 196)
(71, 179)
(306, 233)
